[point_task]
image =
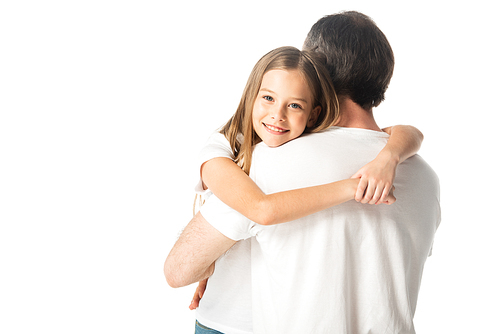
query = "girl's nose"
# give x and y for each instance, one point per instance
(279, 113)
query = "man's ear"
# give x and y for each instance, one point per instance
(313, 116)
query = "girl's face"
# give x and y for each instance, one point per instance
(283, 107)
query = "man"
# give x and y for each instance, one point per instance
(351, 268)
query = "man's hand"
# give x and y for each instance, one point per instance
(200, 290)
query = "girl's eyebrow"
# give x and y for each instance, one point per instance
(293, 98)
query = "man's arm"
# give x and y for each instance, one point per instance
(193, 256)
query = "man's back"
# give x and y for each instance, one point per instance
(353, 268)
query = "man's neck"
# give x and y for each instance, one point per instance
(352, 115)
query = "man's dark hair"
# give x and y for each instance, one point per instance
(359, 57)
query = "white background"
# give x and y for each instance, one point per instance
(105, 104)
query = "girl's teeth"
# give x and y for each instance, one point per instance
(273, 128)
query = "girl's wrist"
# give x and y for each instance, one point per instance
(353, 187)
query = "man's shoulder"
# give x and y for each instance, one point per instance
(419, 173)
(418, 164)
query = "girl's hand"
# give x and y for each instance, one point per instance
(376, 179)
(200, 290)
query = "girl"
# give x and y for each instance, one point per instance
(289, 92)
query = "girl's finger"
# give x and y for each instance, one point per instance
(360, 192)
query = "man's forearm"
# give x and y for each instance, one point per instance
(180, 275)
(193, 256)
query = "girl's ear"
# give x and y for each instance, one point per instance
(313, 116)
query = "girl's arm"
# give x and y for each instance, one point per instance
(404, 141)
(236, 189)
(377, 177)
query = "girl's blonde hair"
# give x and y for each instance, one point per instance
(311, 65)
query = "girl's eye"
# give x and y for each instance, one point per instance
(295, 106)
(268, 98)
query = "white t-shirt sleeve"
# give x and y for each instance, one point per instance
(227, 221)
(217, 146)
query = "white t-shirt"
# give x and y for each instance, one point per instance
(226, 305)
(353, 268)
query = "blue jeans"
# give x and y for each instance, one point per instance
(200, 329)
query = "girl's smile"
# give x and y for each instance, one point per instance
(283, 107)
(274, 129)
